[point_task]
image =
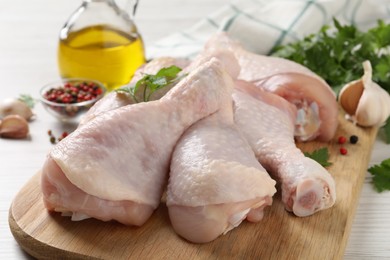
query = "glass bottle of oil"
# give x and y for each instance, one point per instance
(100, 41)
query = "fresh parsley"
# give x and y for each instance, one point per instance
(336, 53)
(381, 175)
(320, 155)
(149, 83)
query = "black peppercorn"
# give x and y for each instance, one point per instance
(353, 139)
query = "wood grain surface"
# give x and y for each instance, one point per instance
(280, 235)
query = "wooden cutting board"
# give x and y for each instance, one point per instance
(280, 235)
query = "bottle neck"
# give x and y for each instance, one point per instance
(99, 12)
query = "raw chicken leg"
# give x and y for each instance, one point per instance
(266, 122)
(119, 161)
(315, 101)
(215, 180)
(115, 99)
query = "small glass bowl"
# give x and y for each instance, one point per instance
(69, 112)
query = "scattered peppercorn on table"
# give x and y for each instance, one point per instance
(28, 61)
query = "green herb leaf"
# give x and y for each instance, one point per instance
(123, 90)
(320, 155)
(336, 54)
(28, 100)
(169, 73)
(381, 173)
(149, 84)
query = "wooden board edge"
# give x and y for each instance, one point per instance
(373, 131)
(34, 247)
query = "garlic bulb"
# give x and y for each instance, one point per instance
(12, 106)
(14, 126)
(365, 102)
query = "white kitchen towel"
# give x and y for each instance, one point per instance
(262, 24)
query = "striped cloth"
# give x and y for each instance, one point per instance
(261, 24)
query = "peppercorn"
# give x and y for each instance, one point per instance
(342, 139)
(73, 92)
(64, 134)
(54, 139)
(343, 151)
(353, 139)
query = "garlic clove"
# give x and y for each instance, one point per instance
(372, 110)
(14, 126)
(12, 106)
(365, 102)
(350, 95)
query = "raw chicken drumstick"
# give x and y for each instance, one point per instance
(215, 180)
(116, 165)
(315, 101)
(267, 122)
(116, 100)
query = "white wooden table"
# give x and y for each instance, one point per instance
(28, 42)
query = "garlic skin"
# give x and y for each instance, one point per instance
(12, 106)
(14, 126)
(364, 101)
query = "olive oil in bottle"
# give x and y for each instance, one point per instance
(102, 53)
(100, 41)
